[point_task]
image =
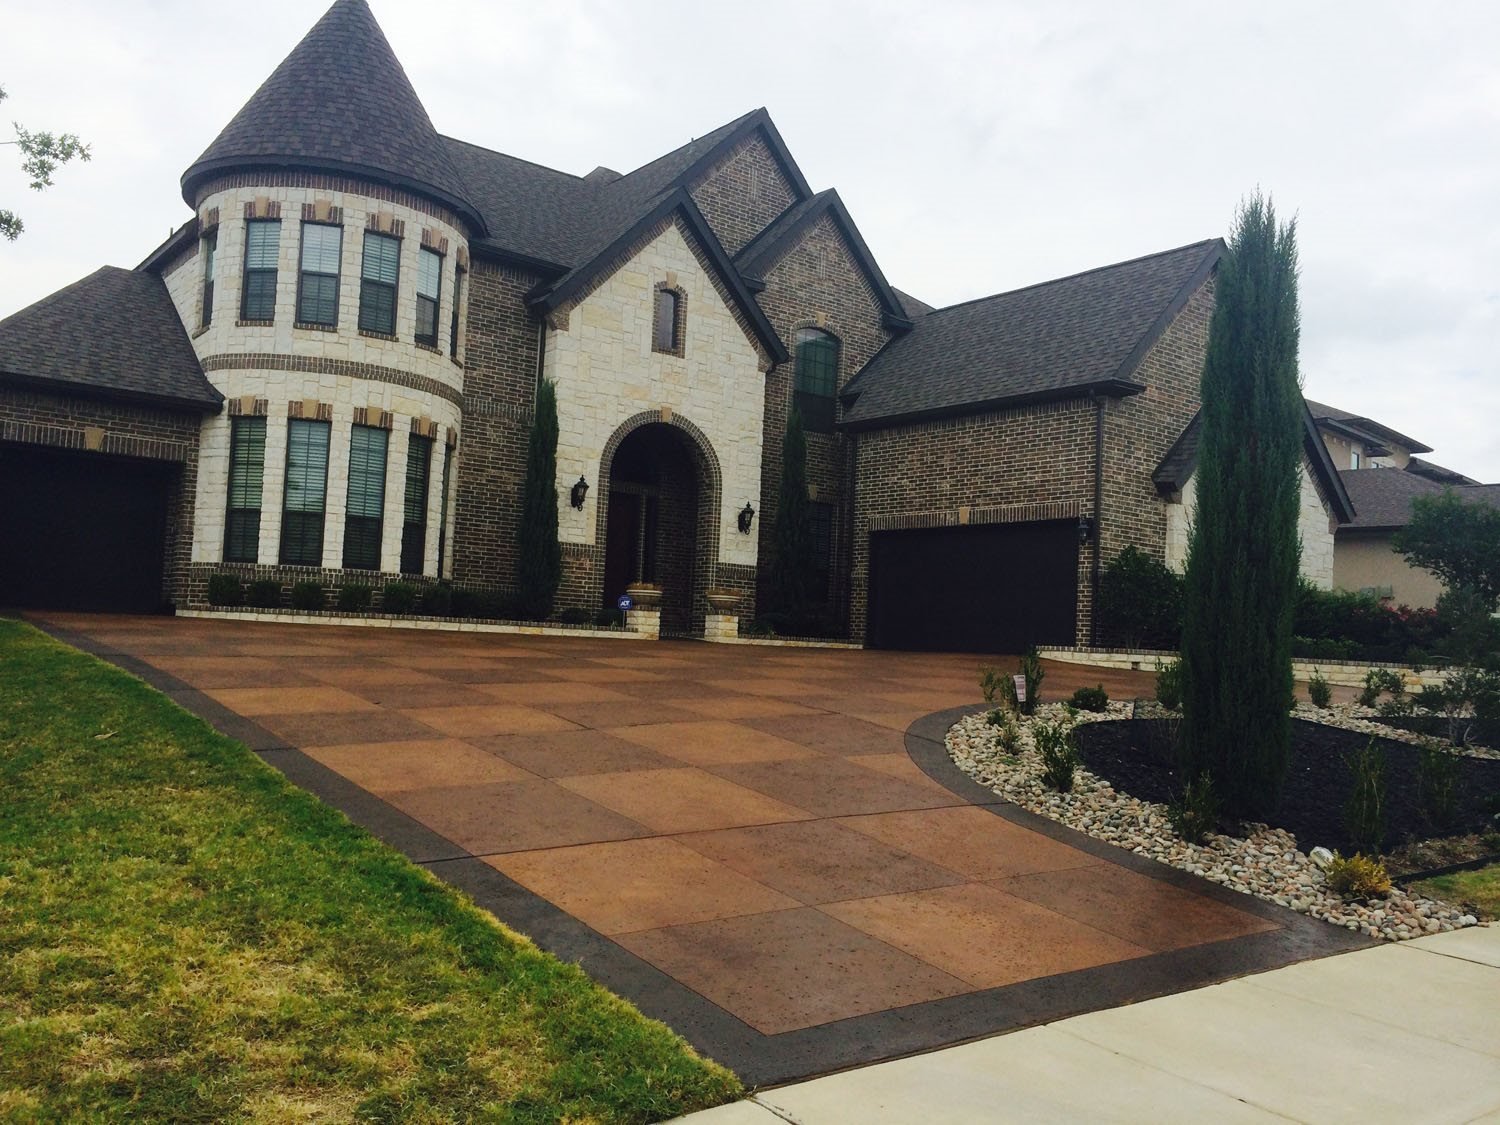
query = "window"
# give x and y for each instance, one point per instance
(366, 503)
(377, 284)
(247, 462)
(1354, 458)
(318, 290)
(820, 520)
(306, 491)
(458, 293)
(666, 328)
(429, 287)
(443, 511)
(210, 250)
(262, 245)
(816, 379)
(414, 505)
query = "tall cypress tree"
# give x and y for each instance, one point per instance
(792, 563)
(1241, 580)
(539, 565)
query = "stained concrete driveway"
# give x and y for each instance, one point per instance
(765, 847)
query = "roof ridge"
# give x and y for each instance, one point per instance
(727, 128)
(1206, 242)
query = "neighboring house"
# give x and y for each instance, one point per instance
(1356, 442)
(328, 373)
(1325, 509)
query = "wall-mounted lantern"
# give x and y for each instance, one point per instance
(1085, 528)
(579, 493)
(747, 517)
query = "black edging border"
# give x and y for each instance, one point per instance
(766, 1060)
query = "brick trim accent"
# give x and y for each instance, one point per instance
(374, 416)
(310, 409)
(317, 365)
(679, 317)
(434, 240)
(451, 440)
(247, 406)
(323, 211)
(383, 222)
(262, 207)
(315, 181)
(424, 427)
(93, 439)
(965, 515)
(209, 222)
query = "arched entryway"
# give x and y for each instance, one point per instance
(659, 519)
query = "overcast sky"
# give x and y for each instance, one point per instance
(979, 147)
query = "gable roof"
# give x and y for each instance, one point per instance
(1365, 429)
(113, 335)
(914, 306)
(1181, 461)
(1436, 472)
(1060, 339)
(1383, 497)
(678, 203)
(767, 248)
(339, 102)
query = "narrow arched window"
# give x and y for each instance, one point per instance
(816, 378)
(667, 322)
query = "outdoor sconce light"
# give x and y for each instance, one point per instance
(580, 490)
(747, 517)
(1085, 528)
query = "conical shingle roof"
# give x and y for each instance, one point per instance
(340, 102)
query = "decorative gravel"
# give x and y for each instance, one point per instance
(1267, 864)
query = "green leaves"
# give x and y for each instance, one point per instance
(1457, 541)
(42, 153)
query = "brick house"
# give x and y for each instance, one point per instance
(328, 373)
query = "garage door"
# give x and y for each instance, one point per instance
(995, 588)
(82, 530)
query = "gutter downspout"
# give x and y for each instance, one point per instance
(1098, 517)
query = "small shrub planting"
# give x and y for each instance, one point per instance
(1378, 682)
(354, 597)
(1358, 876)
(1195, 813)
(1318, 690)
(225, 589)
(265, 593)
(989, 682)
(1169, 685)
(1400, 707)
(575, 615)
(1059, 752)
(1090, 698)
(1007, 733)
(1364, 813)
(1437, 783)
(437, 601)
(399, 597)
(611, 617)
(307, 595)
(1140, 602)
(1032, 675)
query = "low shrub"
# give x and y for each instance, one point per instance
(1438, 781)
(1378, 682)
(1195, 813)
(1032, 675)
(1169, 685)
(398, 597)
(1364, 813)
(265, 593)
(989, 682)
(1059, 752)
(1400, 707)
(354, 597)
(225, 589)
(1007, 733)
(1140, 602)
(307, 595)
(575, 615)
(480, 603)
(1318, 690)
(612, 616)
(1357, 876)
(437, 601)
(1090, 698)
(1323, 648)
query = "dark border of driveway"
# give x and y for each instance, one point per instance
(765, 1060)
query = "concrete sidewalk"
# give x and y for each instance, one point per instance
(1407, 1032)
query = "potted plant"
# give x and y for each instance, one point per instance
(721, 599)
(646, 595)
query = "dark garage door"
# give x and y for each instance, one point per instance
(995, 588)
(82, 530)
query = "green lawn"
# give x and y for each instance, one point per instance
(186, 936)
(1479, 888)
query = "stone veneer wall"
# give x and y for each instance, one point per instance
(339, 373)
(817, 283)
(63, 422)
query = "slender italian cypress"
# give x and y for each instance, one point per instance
(539, 565)
(792, 562)
(1241, 581)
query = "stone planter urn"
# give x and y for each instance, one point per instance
(646, 595)
(722, 601)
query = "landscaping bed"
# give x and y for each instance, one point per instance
(1134, 755)
(186, 936)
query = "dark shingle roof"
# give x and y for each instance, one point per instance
(529, 210)
(1056, 339)
(1435, 472)
(1365, 428)
(341, 102)
(115, 335)
(1383, 497)
(1181, 460)
(914, 306)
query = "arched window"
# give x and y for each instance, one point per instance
(667, 321)
(816, 379)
